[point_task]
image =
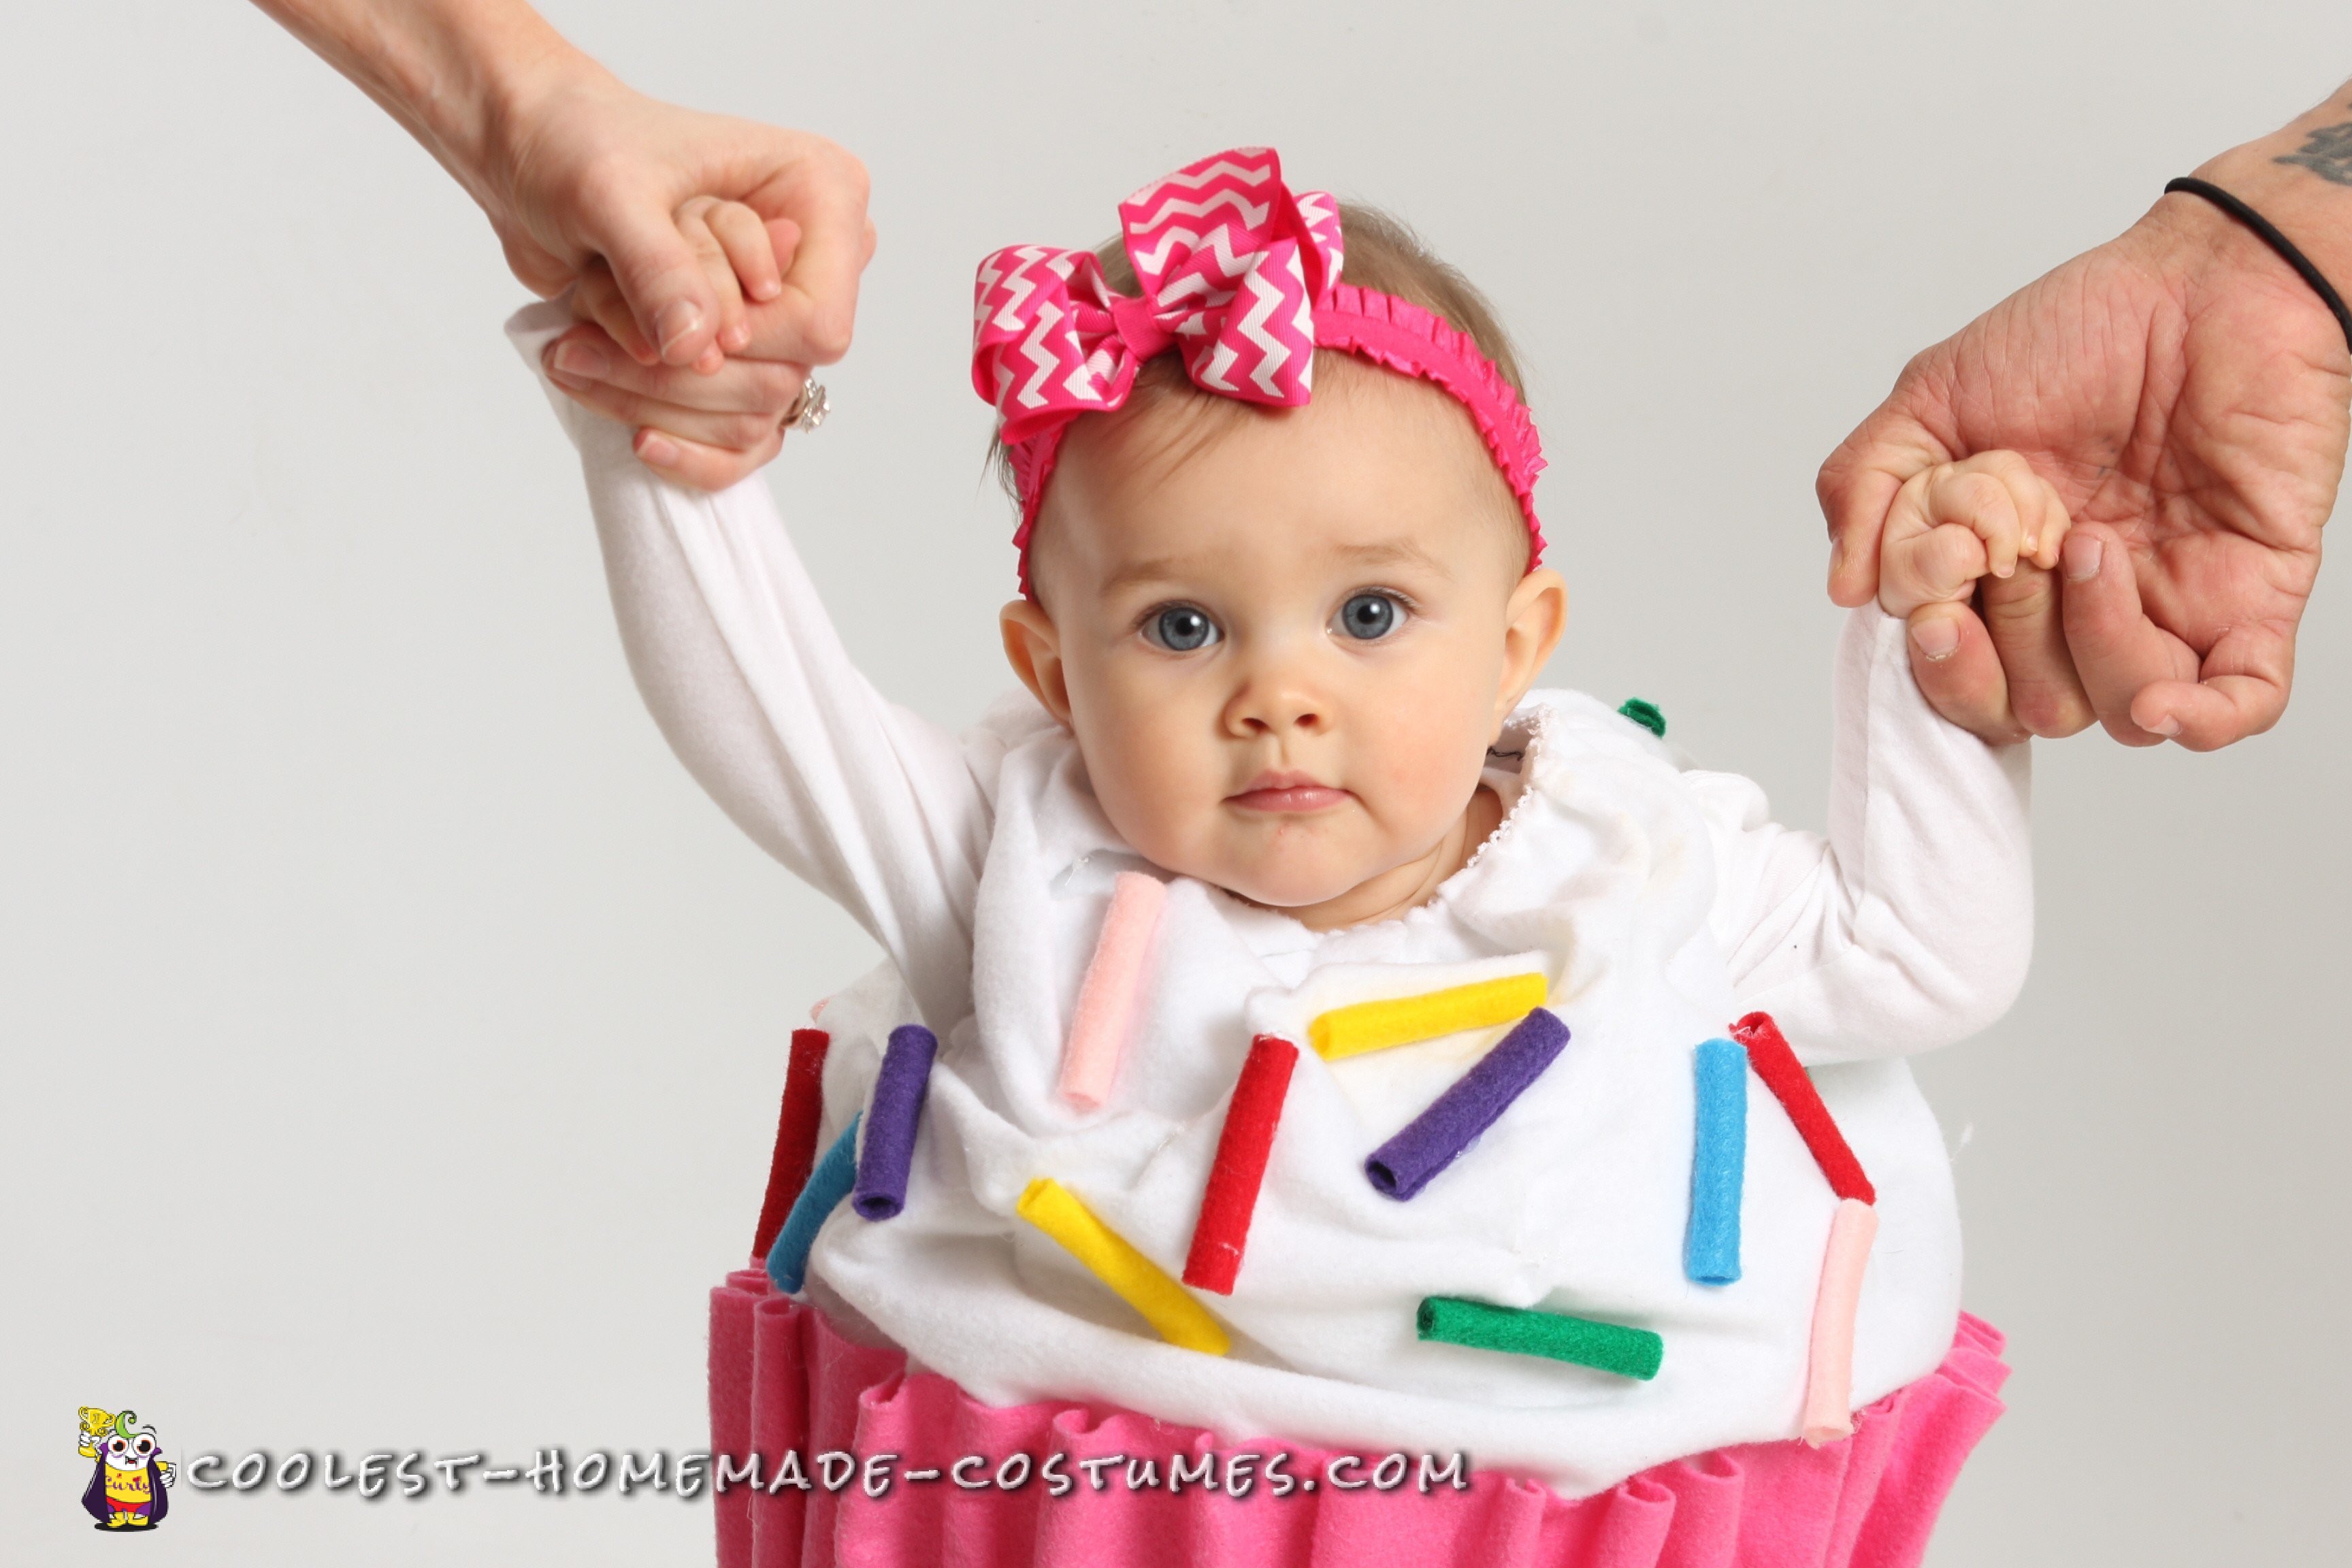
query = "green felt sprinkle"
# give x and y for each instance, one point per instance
(1646, 714)
(1611, 1347)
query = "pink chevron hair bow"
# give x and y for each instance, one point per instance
(1241, 277)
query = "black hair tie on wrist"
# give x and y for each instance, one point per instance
(2275, 240)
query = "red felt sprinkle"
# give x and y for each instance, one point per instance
(1240, 1167)
(1776, 1065)
(788, 1168)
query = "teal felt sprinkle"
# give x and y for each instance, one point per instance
(827, 1185)
(1646, 714)
(1518, 1330)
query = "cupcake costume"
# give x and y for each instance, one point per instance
(1600, 1170)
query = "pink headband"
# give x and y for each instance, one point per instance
(1241, 276)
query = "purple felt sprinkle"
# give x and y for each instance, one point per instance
(1433, 1139)
(890, 1145)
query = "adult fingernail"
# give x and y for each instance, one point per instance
(1936, 639)
(677, 318)
(2080, 552)
(584, 360)
(2168, 726)
(658, 451)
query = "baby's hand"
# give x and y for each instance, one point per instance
(742, 254)
(1957, 522)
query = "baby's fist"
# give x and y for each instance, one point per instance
(1957, 522)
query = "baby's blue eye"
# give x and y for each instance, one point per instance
(1368, 617)
(1180, 629)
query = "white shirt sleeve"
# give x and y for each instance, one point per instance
(733, 652)
(1911, 925)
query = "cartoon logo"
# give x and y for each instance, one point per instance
(126, 1488)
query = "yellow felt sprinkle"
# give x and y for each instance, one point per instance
(1145, 1286)
(1376, 1025)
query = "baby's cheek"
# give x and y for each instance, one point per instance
(1425, 746)
(1150, 779)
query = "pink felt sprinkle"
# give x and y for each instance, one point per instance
(1109, 997)
(1829, 1382)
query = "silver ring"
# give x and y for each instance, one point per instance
(809, 409)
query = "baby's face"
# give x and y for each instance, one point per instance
(1284, 640)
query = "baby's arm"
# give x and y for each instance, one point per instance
(1911, 924)
(743, 671)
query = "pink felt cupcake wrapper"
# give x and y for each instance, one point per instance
(783, 1377)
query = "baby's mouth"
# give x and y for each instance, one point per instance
(1287, 792)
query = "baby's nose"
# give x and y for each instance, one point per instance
(1277, 707)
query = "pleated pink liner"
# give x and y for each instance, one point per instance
(783, 1377)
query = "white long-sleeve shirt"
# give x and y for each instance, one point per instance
(1660, 902)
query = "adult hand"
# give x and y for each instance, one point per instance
(708, 431)
(2185, 393)
(705, 430)
(599, 179)
(572, 166)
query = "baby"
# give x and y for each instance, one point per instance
(1282, 610)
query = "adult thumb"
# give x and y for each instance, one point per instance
(663, 281)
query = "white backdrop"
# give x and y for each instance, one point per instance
(392, 1032)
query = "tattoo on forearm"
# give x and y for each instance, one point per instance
(2326, 153)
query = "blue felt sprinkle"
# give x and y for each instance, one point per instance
(1718, 1165)
(827, 1185)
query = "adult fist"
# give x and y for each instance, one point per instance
(701, 426)
(592, 170)
(2185, 392)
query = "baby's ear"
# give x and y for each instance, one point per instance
(1532, 623)
(1033, 647)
